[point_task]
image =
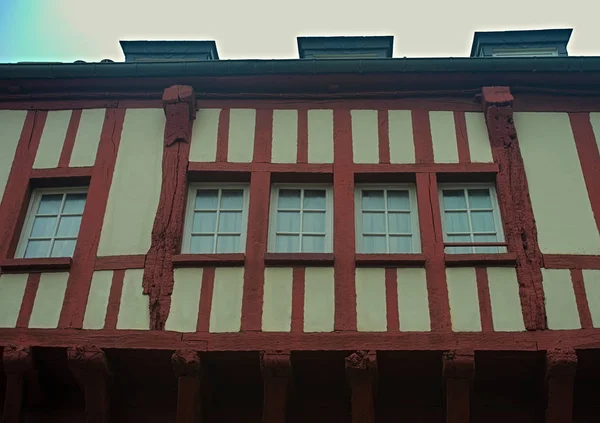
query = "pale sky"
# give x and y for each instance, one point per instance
(67, 30)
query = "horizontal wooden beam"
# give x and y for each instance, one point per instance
(481, 259)
(201, 260)
(120, 262)
(26, 265)
(571, 261)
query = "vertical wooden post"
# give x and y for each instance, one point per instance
(276, 370)
(458, 370)
(561, 364)
(361, 373)
(89, 366)
(187, 366)
(18, 361)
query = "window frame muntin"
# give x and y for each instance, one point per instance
(329, 212)
(34, 200)
(414, 212)
(186, 241)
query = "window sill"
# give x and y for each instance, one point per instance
(26, 265)
(299, 259)
(407, 260)
(204, 260)
(480, 259)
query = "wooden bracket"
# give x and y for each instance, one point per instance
(458, 371)
(179, 103)
(19, 368)
(187, 366)
(561, 364)
(361, 373)
(276, 370)
(90, 368)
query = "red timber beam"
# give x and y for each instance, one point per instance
(187, 366)
(515, 204)
(89, 367)
(276, 370)
(361, 373)
(458, 370)
(180, 109)
(19, 368)
(561, 364)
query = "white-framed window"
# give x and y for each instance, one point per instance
(52, 223)
(470, 214)
(216, 219)
(386, 219)
(301, 219)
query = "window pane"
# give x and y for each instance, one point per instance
(202, 244)
(204, 222)
(228, 244)
(69, 226)
(287, 243)
(232, 199)
(401, 244)
(486, 238)
(288, 221)
(313, 244)
(230, 222)
(398, 200)
(457, 222)
(399, 223)
(74, 203)
(37, 249)
(314, 199)
(313, 222)
(289, 199)
(454, 199)
(459, 250)
(480, 199)
(372, 200)
(43, 227)
(482, 221)
(63, 248)
(206, 199)
(374, 244)
(50, 204)
(374, 222)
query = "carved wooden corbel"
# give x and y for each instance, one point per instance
(187, 366)
(18, 362)
(458, 371)
(276, 370)
(561, 364)
(361, 373)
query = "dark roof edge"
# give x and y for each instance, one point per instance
(298, 67)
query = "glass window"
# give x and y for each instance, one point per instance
(471, 216)
(216, 219)
(387, 220)
(300, 219)
(52, 224)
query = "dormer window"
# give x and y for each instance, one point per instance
(169, 51)
(345, 47)
(535, 43)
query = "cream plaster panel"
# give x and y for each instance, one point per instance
(185, 301)
(53, 138)
(88, 137)
(320, 136)
(11, 126)
(413, 302)
(136, 185)
(319, 299)
(464, 301)
(49, 300)
(370, 300)
(226, 310)
(402, 143)
(563, 214)
(507, 315)
(204, 136)
(12, 290)
(95, 311)
(443, 136)
(595, 120)
(277, 300)
(134, 311)
(591, 280)
(561, 307)
(285, 136)
(242, 123)
(365, 136)
(480, 148)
